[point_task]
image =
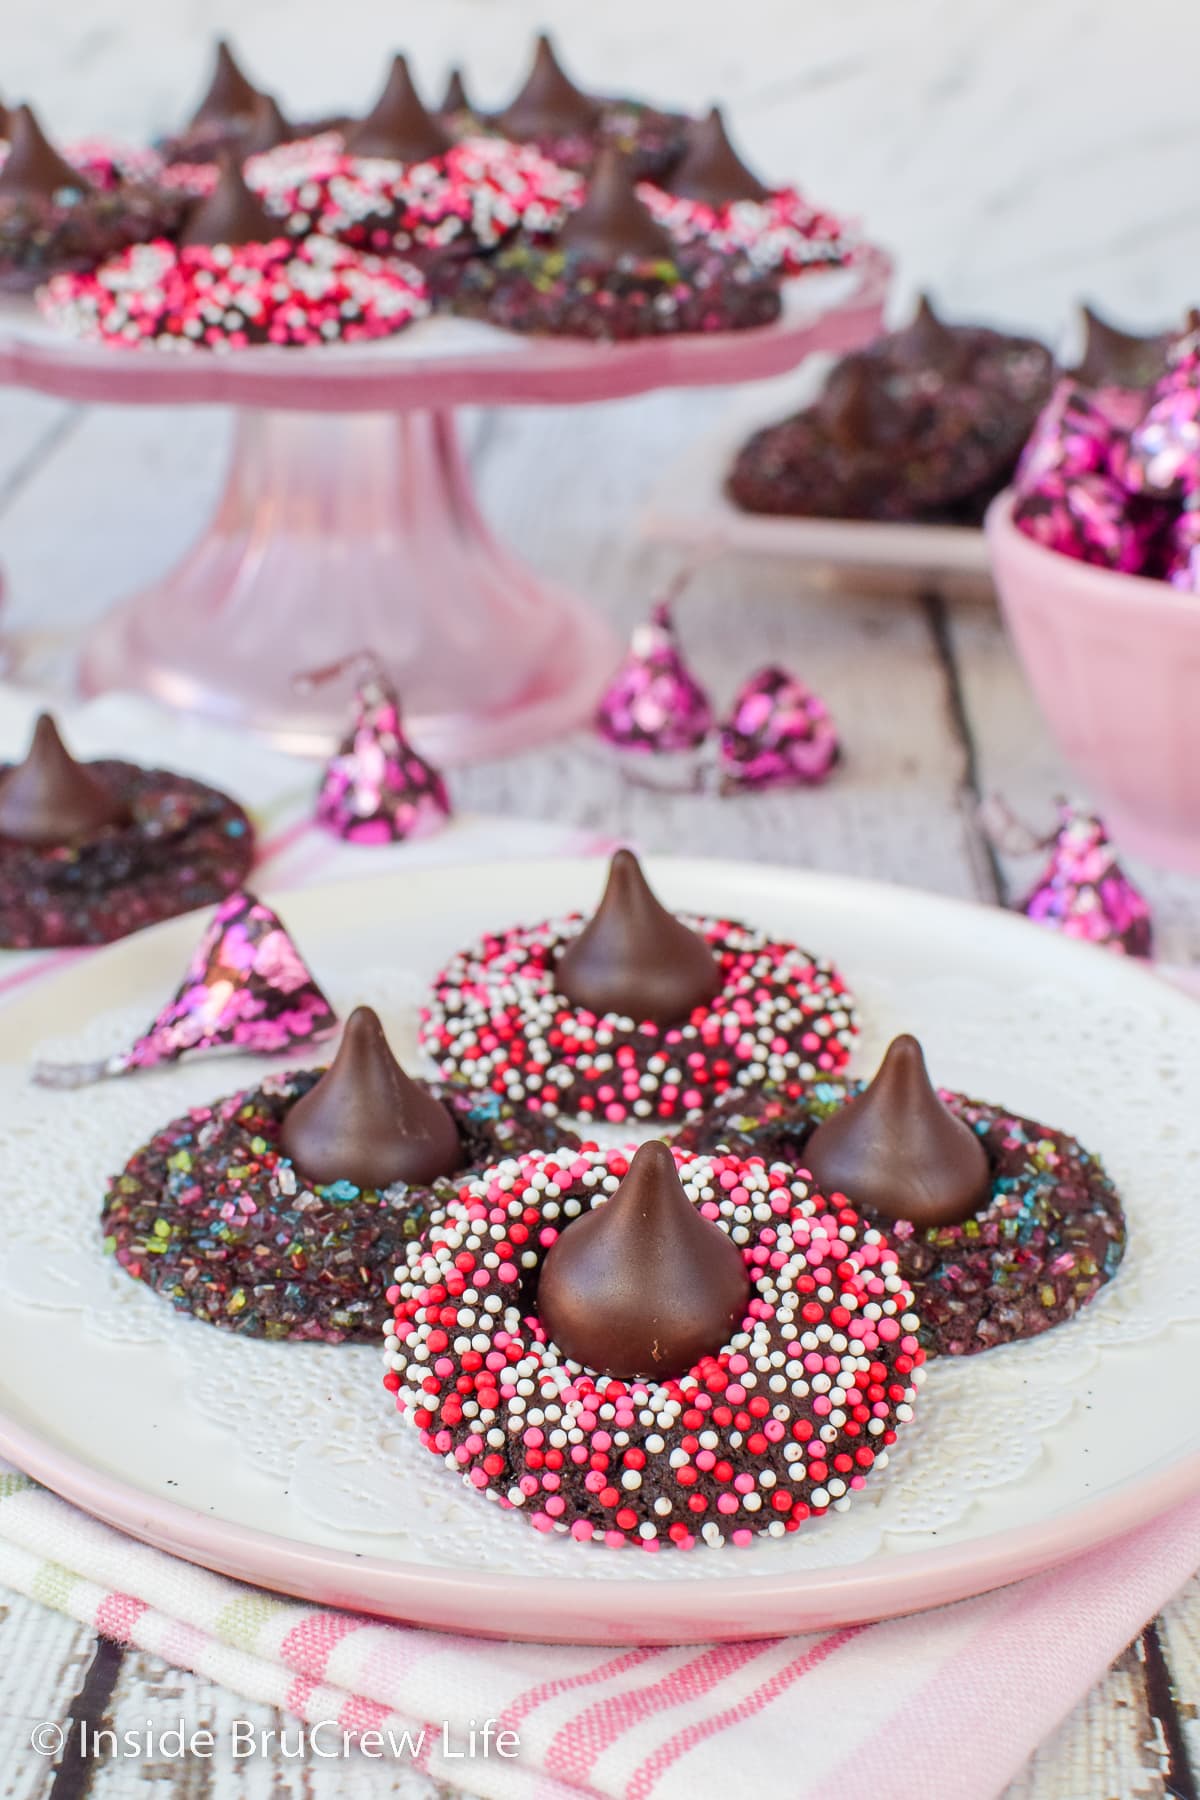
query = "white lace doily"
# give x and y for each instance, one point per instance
(317, 1419)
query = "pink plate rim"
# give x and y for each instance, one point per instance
(549, 1609)
(540, 370)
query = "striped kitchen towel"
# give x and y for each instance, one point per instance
(944, 1705)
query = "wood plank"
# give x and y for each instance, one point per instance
(1106, 1749)
(1179, 1631)
(150, 1692)
(892, 811)
(44, 1657)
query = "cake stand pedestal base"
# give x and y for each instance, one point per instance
(339, 533)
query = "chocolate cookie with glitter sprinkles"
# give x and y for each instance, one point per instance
(498, 1022)
(533, 285)
(213, 1216)
(1052, 1236)
(182, 845)
(784, 1422)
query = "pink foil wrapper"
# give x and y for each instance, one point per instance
(1084, 893)
(1182, 566)
(1163, 457)
(654, 703)
(778, 734)
(1075, 434)
(1091, 518)
(377, 789)
(247, 989)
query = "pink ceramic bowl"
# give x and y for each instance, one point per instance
(1115, 663)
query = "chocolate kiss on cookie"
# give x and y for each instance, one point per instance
(897, 1149)
(5, 120)
(399, 127)
(52, 799)
(612, 222)
(368, 1122)
(856, 408)
(33, 169)
(929, 343)
(231, 214)
(1114, 358)
(635, 958)
(643, 1285)
(710, 169)
(230, 96)
(455, 100)
(268, 129)
(549, 104)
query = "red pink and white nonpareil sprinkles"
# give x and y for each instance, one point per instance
(782, 1424)
(496, 1021)
(220, 297)
(480, 191)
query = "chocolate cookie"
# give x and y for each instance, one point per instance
(1051, 1237)
(499, 1021)
(926, 425)
(181, 845)
(779, 1423)
(213, 1216)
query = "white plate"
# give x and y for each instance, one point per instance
(1016, 1459)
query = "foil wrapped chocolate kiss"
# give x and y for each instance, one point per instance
(899, 1150)
(643, 1285)
(635, 958)
(247, 988)
(368, 1122)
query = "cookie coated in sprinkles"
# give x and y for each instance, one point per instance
(496, 1021)
(1053, 1234)
(783, 1424)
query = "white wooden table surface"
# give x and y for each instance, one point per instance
(933, 711)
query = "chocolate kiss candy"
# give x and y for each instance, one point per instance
(52, 799)
(635, 958)
(366, 1121)
(5, 120)
(855, 406)
(455, 100)
(612, 222)
(399, 127)
(899, 1150)
(268, 129)
(711, 169)
(549, 104)
(929, 343)
(33, 168)
(230, 96)
(1122, 359)
(643, 1285)
(231, 214)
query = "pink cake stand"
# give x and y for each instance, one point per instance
(348, 518)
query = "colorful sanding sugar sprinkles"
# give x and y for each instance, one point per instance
(496, 1021)
(781, 1424)
(1052, 1235)
(216, 1219)
(246, 989)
